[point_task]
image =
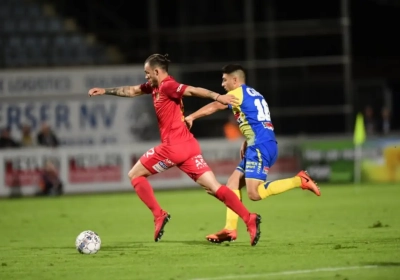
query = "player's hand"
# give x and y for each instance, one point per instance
(228, 99)
(96, 91)
(189, 122)
(243, 149)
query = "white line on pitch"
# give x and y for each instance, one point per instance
(288, 272)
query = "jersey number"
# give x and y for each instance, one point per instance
(263, 110)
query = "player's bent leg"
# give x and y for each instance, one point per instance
(252, 189)
(224, 194)
(260, 190)
(138, 170)
(138, 176)
(229, 232)
(236, 181)
(257, 186)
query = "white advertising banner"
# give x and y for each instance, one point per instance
(85, 121)
(106, 168)
(66, 81)
(59, 98)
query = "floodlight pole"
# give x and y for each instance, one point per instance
(347, 63)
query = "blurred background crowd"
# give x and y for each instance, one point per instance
(318, 63)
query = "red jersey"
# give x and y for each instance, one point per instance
(167, 100)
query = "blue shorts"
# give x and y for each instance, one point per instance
(258, 159)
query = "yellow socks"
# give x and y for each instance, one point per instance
(232, 217)
(266, 189)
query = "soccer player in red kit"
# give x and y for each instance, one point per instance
(178, 146)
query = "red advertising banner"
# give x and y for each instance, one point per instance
(26, 170)
(99, 169)
(91, 168)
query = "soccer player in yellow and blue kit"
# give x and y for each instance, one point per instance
(259, 151)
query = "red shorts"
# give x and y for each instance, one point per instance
(186, 156)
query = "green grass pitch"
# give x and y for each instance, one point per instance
(347, 233)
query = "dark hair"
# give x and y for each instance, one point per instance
(230, 68)
(159, 60)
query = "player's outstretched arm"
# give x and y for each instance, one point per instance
(205, 93)
(206, 110)
(125, 91)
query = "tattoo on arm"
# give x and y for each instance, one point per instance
(212, 94)
(119, 91)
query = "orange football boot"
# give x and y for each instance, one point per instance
(222, 236)
(307, 183)
(159, 224)
(253, 228)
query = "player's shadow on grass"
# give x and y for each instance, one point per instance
(145, 245)
(121, 245)
(67, 250)
(205, 243)
(190, 242)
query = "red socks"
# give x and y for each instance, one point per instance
(145, 193)
(230, 199)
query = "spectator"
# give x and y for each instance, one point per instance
(46, 137)
(385, 120)
(231, 129)
(26, 138)
(370, 122)
(6, 141)
(50, 183)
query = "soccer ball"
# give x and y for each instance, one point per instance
(88, 242)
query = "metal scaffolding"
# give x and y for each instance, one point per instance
(272, 30)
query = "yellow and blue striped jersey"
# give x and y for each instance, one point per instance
(252, 115)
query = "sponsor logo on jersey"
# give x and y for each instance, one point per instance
(179, 88)
(268, 125)
(251, 166)
(200, 163)
(163, 165)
